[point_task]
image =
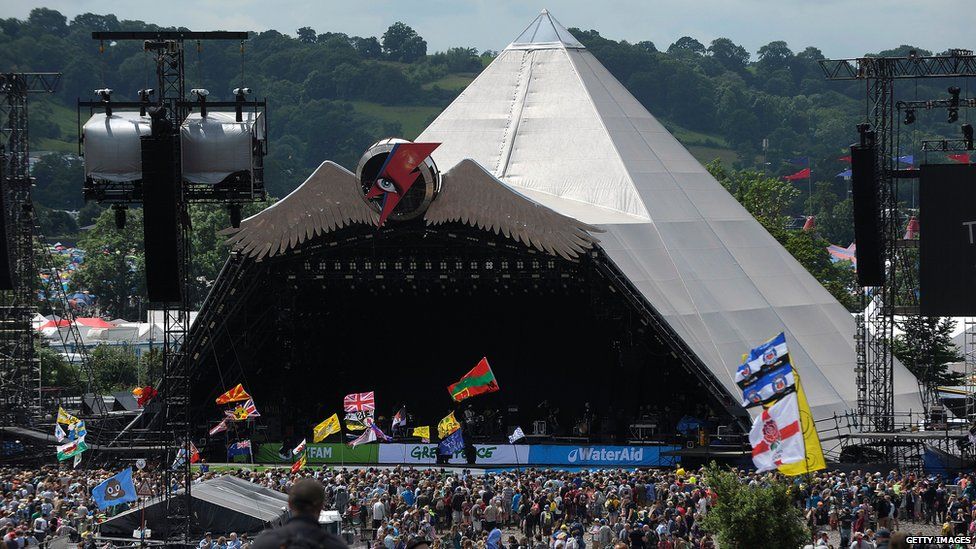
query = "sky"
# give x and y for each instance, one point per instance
(840, 28)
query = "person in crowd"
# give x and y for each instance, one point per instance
(305, 500)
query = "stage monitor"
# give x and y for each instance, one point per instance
(867, 217)
(947, 258)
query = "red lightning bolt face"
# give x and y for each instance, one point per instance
(398, 174)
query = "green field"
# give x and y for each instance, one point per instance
(456, 81)
(66, 119)
(413, 119)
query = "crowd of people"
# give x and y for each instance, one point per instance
(391, 508)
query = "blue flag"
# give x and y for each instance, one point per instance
(451, 445)
(116, 490)
(242, 448)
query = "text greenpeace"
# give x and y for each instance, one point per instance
(600, 455)
(491, 454)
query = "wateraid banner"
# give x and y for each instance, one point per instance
(320, 453)
(602, 456)
(488, 454)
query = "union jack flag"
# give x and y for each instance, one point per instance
(359, 402)
(243, 411)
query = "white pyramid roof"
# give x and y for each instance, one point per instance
(548, 119)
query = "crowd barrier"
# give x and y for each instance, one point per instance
(488, 454)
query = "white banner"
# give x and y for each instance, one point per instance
(490, 454)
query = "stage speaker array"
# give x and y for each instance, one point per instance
(6, 261)
(161, 187)
(867, 217)
(947, 247)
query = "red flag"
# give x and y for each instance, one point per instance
(845, 159)
(802, 174)
(962, 157)
(233, 395)
(194, 453)
(300, 464)
(147, 394)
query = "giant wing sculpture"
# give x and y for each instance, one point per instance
(331, 198)
(471, 195)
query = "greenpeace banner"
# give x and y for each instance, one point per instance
(320, 453)
(490, 454)
(604, 456)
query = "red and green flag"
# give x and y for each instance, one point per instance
(478, 381)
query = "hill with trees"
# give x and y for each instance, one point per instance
(331, 95)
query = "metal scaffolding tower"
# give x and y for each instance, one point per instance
(19, 367)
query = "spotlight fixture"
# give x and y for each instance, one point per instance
(242, 92)
(202, 97)
(105, 95)
(953, 104)
(967, 135)
(200, 92)
(909, 117)
(240, 95)
(144, 96)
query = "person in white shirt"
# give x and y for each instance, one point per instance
(379, 513)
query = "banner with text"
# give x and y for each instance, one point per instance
(320, 453)
(602, 456)
(489, 454)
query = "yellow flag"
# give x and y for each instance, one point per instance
(422, 432)
(811, 441)
(66, 418)
(328, 427)
(447, 426)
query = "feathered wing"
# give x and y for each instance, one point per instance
(331, 198)
(472, 195)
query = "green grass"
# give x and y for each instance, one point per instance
(65, 118)
(707, 154)
(457, 81)
(413, 119)
(691, 137)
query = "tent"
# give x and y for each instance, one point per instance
(547, 118)
(221, 505)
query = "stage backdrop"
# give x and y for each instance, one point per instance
(488, 454)
(321, 453)
(649, 456)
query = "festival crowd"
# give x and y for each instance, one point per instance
(530, 508)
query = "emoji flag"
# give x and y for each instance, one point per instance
(236, 394)
(117, 489)
(447, 426)
(328, 427)
(422, 432)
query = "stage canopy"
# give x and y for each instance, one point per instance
(221, 505)
(548, 119)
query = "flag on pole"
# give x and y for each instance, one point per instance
(145, 394)
(242, 448)
(477, 381)
(400, 418)
(77, 430)
(234, 395)
(117, 489)
(71, 449)
(516, 435)
(813, 451)
(962, 157)
(300, 448)
(300, 464)
(59, 432)
(220, 427)
(66, 418)
(802, 174)
(776, 437)
(359, 402)
(77, 461)
(357, 421)
(447, 426)
(243, 411)
(379, 433)
(451, 445)
(328, 427)
(845, 158)
(194, 453)
(422, 432)
(799, 161)
(368, 436)
(180, 459)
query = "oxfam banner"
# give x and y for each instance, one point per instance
(603, 456)
(321, 453)
(489, 454)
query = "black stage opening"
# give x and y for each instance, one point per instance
(405, 321)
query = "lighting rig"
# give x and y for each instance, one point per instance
(875, 361)
(163, 152)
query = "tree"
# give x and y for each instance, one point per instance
(402, 43)
(753, 515)
(116, 368)
(687, 45)
(58, 180)
(56, 371)
(768, 199)
(368, 48)
(48, 21)
(731, 55)
(925, 347)
(114, 267)
(775, 56)
(811, 251)
(307, 35)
